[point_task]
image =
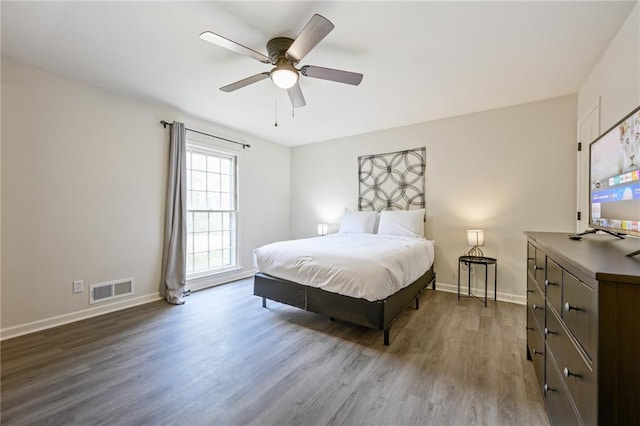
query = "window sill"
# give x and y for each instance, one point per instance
(211, 279)
(212, 273)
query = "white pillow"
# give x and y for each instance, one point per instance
(357, 222)
(402, 222)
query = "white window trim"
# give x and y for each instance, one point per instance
(205, 148)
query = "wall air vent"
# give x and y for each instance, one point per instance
(110, 290)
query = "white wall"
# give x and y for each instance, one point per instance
(505, 171)
(616, 77)
(83, 188)
(614, 86)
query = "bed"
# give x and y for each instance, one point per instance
(364, 278)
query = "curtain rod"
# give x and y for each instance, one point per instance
(244, 145)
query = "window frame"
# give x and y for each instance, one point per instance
(208, 149)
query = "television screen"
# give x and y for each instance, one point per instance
(615, 178)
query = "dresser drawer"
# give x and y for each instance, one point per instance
(553, 284)
(578, 311)
(535, 344)
(535, 300)
(557, 398)
(576, 373)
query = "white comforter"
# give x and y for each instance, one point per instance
(365, 266)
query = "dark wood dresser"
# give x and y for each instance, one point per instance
(583, 327)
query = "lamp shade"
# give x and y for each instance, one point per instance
(284, 77)
(475, 237)
(323, 229)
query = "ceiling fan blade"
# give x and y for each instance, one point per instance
(233, 46)
(316, 29)
(340, 76)
(296, 97)
(245, 82)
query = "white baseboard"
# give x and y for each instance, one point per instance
(43, 324)
(194, 285)
(503, 297)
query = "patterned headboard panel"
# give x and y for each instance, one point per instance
(393, 181)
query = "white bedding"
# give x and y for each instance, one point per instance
(367, 266)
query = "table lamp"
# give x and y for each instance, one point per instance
(475, 238)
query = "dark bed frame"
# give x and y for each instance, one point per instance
(379, 314)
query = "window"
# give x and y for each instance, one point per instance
(211, 211)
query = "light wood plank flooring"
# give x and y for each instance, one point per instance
(223, 359)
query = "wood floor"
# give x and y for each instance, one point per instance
(223, 359)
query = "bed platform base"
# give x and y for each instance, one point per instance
(379, 314)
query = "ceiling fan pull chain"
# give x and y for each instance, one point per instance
(275, 112)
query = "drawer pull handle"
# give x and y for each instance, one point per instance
(536, 352)
(548, 389)
(547, 332)
(530, 328)
(534, 306)
(530, 291)
(568, 373)
(536, 267)
(548, 283)
(568, 307)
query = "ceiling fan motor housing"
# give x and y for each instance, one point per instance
(284, 75)
(277, 47)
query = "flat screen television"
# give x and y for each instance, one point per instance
(614, 164)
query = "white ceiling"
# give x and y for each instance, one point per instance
(421, 60)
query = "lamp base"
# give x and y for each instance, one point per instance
(474, 251)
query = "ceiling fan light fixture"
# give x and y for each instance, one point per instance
(284, 77)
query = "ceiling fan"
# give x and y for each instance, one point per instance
(284, 54)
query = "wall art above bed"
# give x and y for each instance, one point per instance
(393, 181)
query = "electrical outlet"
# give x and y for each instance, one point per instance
(78, 286)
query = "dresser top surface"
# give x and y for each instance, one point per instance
(600, 256)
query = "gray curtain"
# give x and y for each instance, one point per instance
(174, 268)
